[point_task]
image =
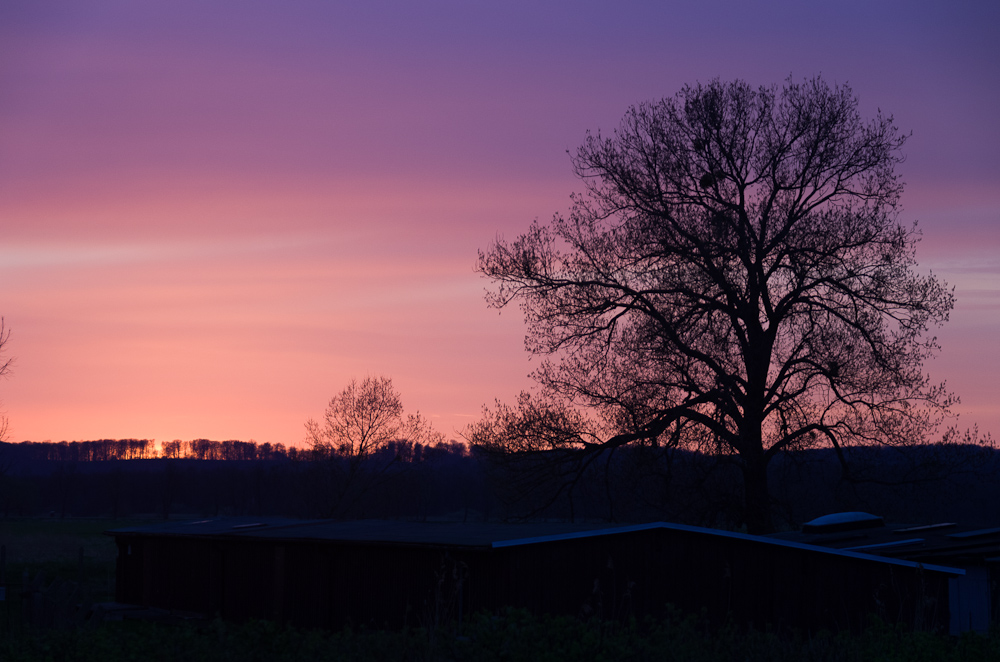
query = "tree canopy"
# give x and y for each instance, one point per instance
(734, 278)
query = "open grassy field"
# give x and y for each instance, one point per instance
(42, 552)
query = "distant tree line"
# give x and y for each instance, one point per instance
(99, 450)
(206, 449)
(104, 450)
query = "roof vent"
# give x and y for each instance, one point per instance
(842, 522)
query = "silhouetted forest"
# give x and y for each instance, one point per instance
(126, 477)
(129, 477)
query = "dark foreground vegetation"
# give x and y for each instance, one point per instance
(509, 636)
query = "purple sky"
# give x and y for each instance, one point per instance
(215, 214)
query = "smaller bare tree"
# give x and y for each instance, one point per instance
(355, 436)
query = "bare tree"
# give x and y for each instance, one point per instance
(359, 426)
(5, 365)
(734, 279)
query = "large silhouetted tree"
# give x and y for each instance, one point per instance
(734, 279)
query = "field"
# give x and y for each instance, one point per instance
(68, 558)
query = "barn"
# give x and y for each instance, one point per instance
(394, 574)
(974, 597)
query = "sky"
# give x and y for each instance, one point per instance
(214, 214)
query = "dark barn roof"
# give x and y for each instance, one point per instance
(433, 534)
(393, 573)
(490, 534)
(946, 543)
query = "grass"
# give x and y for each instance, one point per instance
(48, 550)
(41, 540)
(510, 636)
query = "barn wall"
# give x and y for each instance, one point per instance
(642, 572)
(329, 584)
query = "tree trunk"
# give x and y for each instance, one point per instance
(757, 500)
